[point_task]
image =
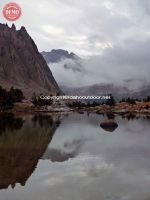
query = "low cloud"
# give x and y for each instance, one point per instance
(118, 64)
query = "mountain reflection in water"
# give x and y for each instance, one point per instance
(22, 144)
(57, 155)
(72, 157)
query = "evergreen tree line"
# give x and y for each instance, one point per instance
(110, 102)
(37, 101)
(133, 101)
(8, 98)
(79, 104)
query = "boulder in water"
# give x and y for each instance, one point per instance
(109, 125)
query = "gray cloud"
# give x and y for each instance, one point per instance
(85, 27)
(123, 61)
(114, 33)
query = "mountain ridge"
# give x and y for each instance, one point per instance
(21, 64)
(57, 55)
(118, 91)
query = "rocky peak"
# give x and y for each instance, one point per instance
(23, 30)
(13, 27)
(56, 55)
(21, 64)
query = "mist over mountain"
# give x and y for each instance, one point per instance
(104, 74)
(118, 91)
(21, 64)
(123, 64)
(62, 58)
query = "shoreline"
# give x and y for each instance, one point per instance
(140, 108)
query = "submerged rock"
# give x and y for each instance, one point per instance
(109, 125)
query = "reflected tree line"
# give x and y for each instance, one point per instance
(44, 120)
(111, 125)
(127, 116)
(24, 141)
(8, 122)
(22, 144)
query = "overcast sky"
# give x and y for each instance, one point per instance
(114, 33)
(86, 27)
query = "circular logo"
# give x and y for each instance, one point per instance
(12, 11)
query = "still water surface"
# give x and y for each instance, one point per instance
(72, 157)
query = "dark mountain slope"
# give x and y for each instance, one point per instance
(21, 65)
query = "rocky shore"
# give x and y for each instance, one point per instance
(119, 108)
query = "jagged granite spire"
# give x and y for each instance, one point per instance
(13, 27)
(23, 29)
(21, 64)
